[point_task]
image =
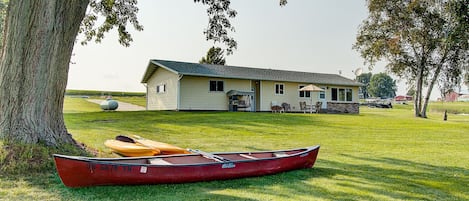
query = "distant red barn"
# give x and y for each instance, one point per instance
(451, 96)
(403, 98)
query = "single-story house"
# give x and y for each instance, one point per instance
(174, 85)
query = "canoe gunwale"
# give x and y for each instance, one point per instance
(121, 161)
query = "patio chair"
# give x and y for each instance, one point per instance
(318, 106)
(275, 107)
(305, 107)
(286, 107)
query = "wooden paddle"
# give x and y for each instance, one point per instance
(138, 139)
(124, 138)
(163, 147)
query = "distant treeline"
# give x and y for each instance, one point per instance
(72, 92)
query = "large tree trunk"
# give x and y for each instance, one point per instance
(429, 93)
(432, 83)
(418, 93)
(39, 38)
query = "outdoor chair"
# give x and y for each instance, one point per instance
(304, 107)
(275, 107)
(286, 107)
(318, 106)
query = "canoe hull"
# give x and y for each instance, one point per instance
(80, 171)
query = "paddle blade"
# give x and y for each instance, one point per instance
(124, 138)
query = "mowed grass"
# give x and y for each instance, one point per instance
(451, 107)
(380, 154)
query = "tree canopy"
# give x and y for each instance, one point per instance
(36, 55)
(382, 85)
(120, 13)
(365, 78)
(214, 56)
(466, 79)
(421, 41)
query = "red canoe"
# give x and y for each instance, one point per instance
(76, 171)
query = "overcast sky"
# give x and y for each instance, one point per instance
(306, 35)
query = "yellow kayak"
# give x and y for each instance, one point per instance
(166, 149)
(143, 147)
(130, 149)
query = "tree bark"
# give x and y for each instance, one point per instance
(432, 83)
(418, 92)
(38, 43)
(429, 91)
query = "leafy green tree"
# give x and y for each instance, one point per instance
(382, 85)
(38, 44)
(411, 92)
(214, 56)
(466, 79)
(365, 78)
(449, 80)
(3, 10)
(418, 39)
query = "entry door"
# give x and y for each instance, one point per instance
(322, 98)
(256, 88)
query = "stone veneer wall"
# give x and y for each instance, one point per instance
(353, 108)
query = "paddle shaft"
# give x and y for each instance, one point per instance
(209, 155)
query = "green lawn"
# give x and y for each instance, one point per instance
(136, 100)
(381, 154)
(454, 107)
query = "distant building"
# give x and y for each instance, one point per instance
(403, 98)
(452, 96)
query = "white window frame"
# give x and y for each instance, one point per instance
(281, 90)
(216, 86)
(306, 94)
(161, 88)
(345, 97)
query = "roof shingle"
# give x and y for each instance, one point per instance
(236, 72)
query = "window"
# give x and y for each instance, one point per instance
(322, 94)
(348, 94)
(161, 88)
(339, 94)
(279, 89)
(216, 85)
(334, 94)
(306, 94)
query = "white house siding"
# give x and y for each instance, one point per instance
(290, 96)
(196, 94)
(166, 100)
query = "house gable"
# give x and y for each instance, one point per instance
(162, 90)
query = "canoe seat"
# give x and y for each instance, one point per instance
(158, 161)
(280, 154)
(247, 156)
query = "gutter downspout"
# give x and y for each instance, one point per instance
(180, 76)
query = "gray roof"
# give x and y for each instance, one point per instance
(236, 72)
